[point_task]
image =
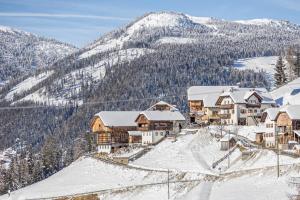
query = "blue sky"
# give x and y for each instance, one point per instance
(81, 21)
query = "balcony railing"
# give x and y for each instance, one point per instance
(225, 116)
(253, 105)
(226, 106)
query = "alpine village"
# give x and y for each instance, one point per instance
(169, 106)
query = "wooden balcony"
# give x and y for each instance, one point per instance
(214, 116)
(143, 128)
(225, 116)
(226, 106)
(249, 105)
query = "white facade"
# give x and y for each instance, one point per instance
(240, 113)
(269, 135)
(153, 137)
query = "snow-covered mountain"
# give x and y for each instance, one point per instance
(150, 36)
(22, 52)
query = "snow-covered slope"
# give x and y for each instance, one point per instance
(187, 159)
(27, 84)
(87, 175)
(189, 153)
(22, 52)
(91, 74)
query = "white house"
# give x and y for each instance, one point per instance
(268, 121)
(243, 106)
(155, 125)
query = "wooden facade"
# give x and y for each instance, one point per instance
(143, 124)
(285, 128)
(196, 105)
(115, 136)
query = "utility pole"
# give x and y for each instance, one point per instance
(277, 148)
(168, 184)
(228, 159)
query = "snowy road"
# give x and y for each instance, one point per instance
(201, 192)
(194, 148)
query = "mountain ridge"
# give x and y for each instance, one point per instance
(22, 53)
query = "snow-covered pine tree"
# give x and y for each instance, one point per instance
(289, 57)
(279, 76)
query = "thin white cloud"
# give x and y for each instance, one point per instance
(289, 4)
(51, 15)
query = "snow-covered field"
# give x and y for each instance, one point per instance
(266, 64)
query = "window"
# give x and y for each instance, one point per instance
(161, 133)
(255, 111)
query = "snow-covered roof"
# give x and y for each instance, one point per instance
(241, 95)
(293, 111)
(210, 100)
(227, 137)
(284, 94)
(272, 113)
(292, 98)
(200, 92)
(163, 115)
(162, 103)
(118, 118)
(297, 132)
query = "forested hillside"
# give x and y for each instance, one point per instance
(21, 53)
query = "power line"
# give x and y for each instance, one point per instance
(101, 102)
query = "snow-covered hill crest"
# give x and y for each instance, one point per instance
(22, 53)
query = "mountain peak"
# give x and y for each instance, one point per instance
(7, 29)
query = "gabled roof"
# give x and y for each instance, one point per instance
(241, 95)
(200, 92)
(281, 94)
(271, 113)
(118, 118)
(293, 111)
(210, 100)
(161, 103)
(163, 115)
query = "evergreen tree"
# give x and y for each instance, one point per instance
(279, 76)
(297, 64)
(51, 156)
